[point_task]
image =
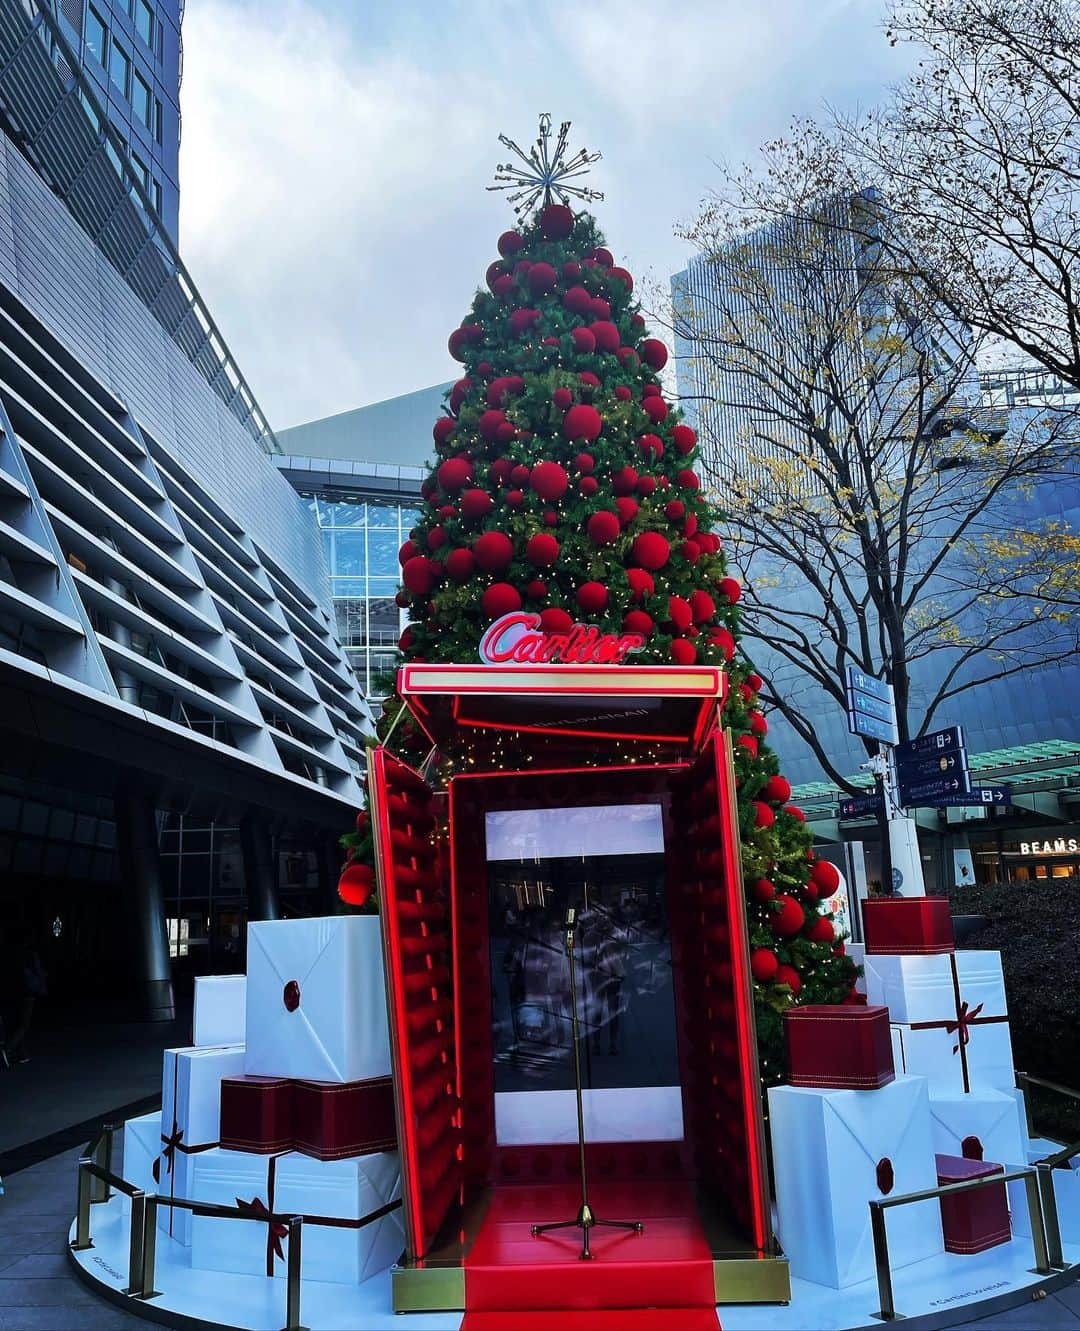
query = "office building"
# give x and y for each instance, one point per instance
(180, 732)
(361, 472)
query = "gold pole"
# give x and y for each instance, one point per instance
(82, 1207)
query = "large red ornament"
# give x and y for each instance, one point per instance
(641, 583)
(627, 509)
(703, 606)
(356, 884)
(656, 409)
(407, 551)
(624, 481)
(758, 724)
(493, 551)
(637, 621)
(731, 588)
(490, 423)
(777, 790)
(790, 976)
(607, 335)
(592, 597)
(419, 575)
(654, 353)
(763, 815)
(436, 538)
(549, 480)
(522, 320)
(603, 528)
(443, 429)
(602, 256)
(789, 919)
(763, 964)
(624, 277)
(683, 652)
(460, 564)
(455, 473)
(584, 341)
(652, 446)
(683, 438)
(588, 380)
(510, 242)
(821, 931)
(582, 422)
(686, 478)
(650, 550)
(562, 398)
(554, 620)
(507, 385)
(763, 890)
(475, 504)
(722, 638)
(542, 278)
(500, 599)
(542, 550)
(577, 300)
(556, 221)
(679, 613)
(825, 877)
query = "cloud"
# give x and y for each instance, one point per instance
(333, 165)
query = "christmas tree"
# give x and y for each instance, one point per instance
(565, 484)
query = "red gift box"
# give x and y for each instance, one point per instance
(333, 1120)
(976, 1220)
(908, 926)
(839, 1047)
(257, 1114)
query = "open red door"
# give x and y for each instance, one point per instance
(415, 916)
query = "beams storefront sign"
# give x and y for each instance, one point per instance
(519, 637)
(1059, 846)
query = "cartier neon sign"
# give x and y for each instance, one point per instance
(519, 637)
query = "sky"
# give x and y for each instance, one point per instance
(335, 155)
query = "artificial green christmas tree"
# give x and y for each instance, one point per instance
(565, 484)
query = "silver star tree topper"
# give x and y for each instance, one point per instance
(546, 171)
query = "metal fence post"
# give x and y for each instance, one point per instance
(292, 1294)
(145, 1277)
(136, 1237)
(102, 1157)
(887, 1311)
(1025, 1091)
(82, 1206)
(1038, 1231)
(1045, 1175)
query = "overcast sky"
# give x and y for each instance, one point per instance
(335, 154)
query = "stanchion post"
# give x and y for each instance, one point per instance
(136, 1239)
(1038, 1230)
(1025, 1091)
(1048, 1198)
(145, 1277)
(887, 1311)
(102, 1157)
(294, 1266)
(82, 1206)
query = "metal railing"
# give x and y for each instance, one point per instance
(1060, 1159)
(95, 1182)
(1034, 1196)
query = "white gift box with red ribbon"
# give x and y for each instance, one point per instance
(142, 1146)
(316, 999)
(190, 1123)
(836, 1151)
(218, 1017)
(352, 1226)
(952, 1017)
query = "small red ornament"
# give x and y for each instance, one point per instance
(494, 272)
(789, 919)
(505, 287)
(542, 279)
(690, 551)
(763, 815)
(588, 380)
(758, 724)
(627, 509)
(455, 473)
(515, 498)
(522, 320)
(777, 790)
(749, 743)
(585, 462)
(507, 385)
(763, 964)
(654, 353)
(407, 551)
(577, 300)
(520, 474)
(493, 551)
(362, 820)
(683, 438)
(406, 639)
(500, 599)
(703, 606)
(584, 341)
(624, 481)
(623, 393)
(652, 446)
(825, 877)
(475, 504)
(722, 639)
(460, 564)
(683, 652)
(731, 588)
(763, 890)
(637, 621)
(795, 812)
(443, 429)
(687, 478)
(571, 270)
(549, 479)
(679, 613)
(562, 398)
(624, 277)
(606, 334)
(821, 931)
(356, 884)
(592, 597)
(755, 681)
(641, 583)
(490, 423)
(603, 528)
(556, 221)
(790, 976)
(536, 589)
(551, 517)
(588, 485)
(646, 485)
(419, 575)
(582, 422)
(650, 390)
(436, 538)
(510, 242)
(602, 256)
(650, 550)
(656, 409)
(542, 550)
(455, 344)
(554, 620)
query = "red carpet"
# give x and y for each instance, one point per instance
(661, 1280)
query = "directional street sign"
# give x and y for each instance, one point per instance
(871, 710)
(871, 706)
(980, 795)
(870, 726)
(861, 805)
(912, 770)
(938, 741)
(932, 792)
(860, 682)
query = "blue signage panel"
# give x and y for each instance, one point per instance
(860, 724)
(928, 792)
(858, 681)
(871, 706)
(859, 805)
(938, 741)
(912, 769)
(980, 795)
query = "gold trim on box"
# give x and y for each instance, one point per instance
(428, 1289)
(751, 1280)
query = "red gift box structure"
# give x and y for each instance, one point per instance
(257, 1114)
(839, 1047)
(976, 1220)
(332, 1121)
(908, 926)
(476, 983)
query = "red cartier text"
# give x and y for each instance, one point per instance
(518, 637)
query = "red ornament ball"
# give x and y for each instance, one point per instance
(443, 429)
(588, 485)
(795, 812)
(588, 380)
(763, 890)
(510, 242)
(549, 479)
(592, 597)
(749, 743)
(356, 884)
(504, 287)
(650, 551)
(763, 964)
(637, 621)
(763, 815)
(789, 919)
(507, 385)
(730, 589)
(436, 538)
(460, 564)
(646, 485)
(722, 638)
(656, 409)
(584, 341)
(406, 639)
(407, 551)
(490, 423)
(790, 976)
(522, 320)
(515, 498)
(562, 398)
(690, 551)
(554, 620)
(821, 931)
(577, 300)
(475, 504)
(624, 481)
(623, 393)
(641, 583)
(679, 613)
(556, 221)
(603, 528)
(542, 550)
(777, 790)
(494, 272)
(500, 599)
(686, 478)
(493, 551)
(455, 473)
(650, 390)
(652, 446)
(627, 509)
(758, 724)
(602, 256)
(536, 589)
(542, 278)
(551, 517)
(825, 877)
(585, 462)
(362, 820)
(683, 652)
(571, 270)
(419, 575)
(582, 422)
(683, 438)
(607, 336)
(624, 277)
(703, 606)
(654, 353)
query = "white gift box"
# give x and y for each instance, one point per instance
(190, 1122)
(293, 1184)
(219, 1010)
(836, 1151)
(142, 1146)
(929, 1053)
(346, 1190)
(990, 1116)
(316, 1001)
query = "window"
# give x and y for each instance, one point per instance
(140, 98)
(158, 116)
(95, 35)
(141, 170)
(119, 68)
(157, 197)
(144, 22)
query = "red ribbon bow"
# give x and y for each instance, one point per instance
(275, 1230)
(962, 1024)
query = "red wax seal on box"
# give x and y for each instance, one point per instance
(908, 926)
(839, 1047)
(886, 1176)
(290, 996)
